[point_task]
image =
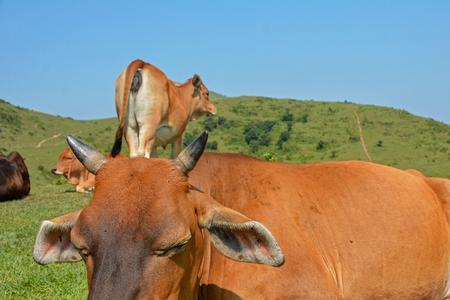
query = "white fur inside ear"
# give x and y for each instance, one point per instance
(53, 244)
(246, 242)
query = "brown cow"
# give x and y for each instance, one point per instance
(14, 177)
(348, 230)
(71, 168)
(154, 110)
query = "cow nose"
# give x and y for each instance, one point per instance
(54, 171)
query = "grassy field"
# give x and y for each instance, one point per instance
(283, 130)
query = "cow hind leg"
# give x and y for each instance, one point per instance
(146, 115)
(146, 141)
(154, 152)
(147, 136)
(132, 137)
(176, 147)
(147, 149)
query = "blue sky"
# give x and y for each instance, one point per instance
(62, 57)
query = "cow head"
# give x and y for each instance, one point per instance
(200, 97)
(143, 234)
(69, 166)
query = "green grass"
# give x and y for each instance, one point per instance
(319, 131)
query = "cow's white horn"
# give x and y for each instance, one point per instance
(88, 156)
(187, 159)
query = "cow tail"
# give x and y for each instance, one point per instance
(133, 81)
(117, 147)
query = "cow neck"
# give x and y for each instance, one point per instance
(77, 176)
(184, 99)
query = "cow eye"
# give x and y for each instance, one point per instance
(84, 253)
(172, 250)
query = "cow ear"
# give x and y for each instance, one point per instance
(53, 243)
(235, 235)
(196, 81)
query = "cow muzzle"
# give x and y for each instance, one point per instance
(56, 172)
(212, 111)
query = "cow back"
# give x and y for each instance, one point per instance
(350, 230)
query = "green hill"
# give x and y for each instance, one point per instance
(273, 129)
(214, 95)
(285, 130)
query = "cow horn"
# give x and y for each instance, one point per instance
(187, 159)
(88, 156)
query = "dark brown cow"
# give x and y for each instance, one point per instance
(344, 230)
(14, 177)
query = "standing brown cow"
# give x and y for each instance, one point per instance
(14, 177)
(344, 230)
(154, 111)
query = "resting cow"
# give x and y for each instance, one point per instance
(336, 230)
(14, 177)
(71, 168)
(154, 111)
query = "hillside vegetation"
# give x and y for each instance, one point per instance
(272, 129)
(278, 129)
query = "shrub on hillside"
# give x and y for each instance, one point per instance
(209, 124)
(321, 145)
(287, 117)
(221, 121)
(284, 137)
(212, 145)
(366, 122)
(269, 156)
(256, 134)
(188, 138)
(304, 118)
(10, 118)
(353, 138)
(212, 123)
(331, 111)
